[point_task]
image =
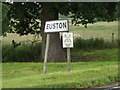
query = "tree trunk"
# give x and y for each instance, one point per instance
(55, 52)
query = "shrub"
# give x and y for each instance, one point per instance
(31, 53)
(94, 43)
(25, 52)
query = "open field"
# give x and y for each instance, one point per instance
(100, 30)
(17, 38)
(103, 70)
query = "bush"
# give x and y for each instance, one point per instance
(31, 53)
(25, 52)
(94, 43)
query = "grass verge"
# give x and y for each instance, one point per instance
(82, 74)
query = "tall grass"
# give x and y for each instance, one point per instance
(25, 52)
(94, 43)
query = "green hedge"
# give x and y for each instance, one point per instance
(94, 43)
(25, 52)
(29, 53)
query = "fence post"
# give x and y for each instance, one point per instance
(112, 37)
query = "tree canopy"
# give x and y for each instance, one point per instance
(5, 20)
(25, 17)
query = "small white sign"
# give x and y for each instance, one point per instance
(67, 40)
(56, 26)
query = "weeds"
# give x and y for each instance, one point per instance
(94, 43)
(25, 52)
(28, 52)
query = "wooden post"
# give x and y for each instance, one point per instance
(68, 58)
(46, 52)
(112, 38)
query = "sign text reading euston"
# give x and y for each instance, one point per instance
(56, 26)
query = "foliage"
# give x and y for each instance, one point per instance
(82, 74)
(23, 53)
(31, 53)
(5, 20)
(85, 13)
(94, 43)
(24, 16)
(117, 13)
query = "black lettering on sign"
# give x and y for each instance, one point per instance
(53, 25)
(50, 27)
(47, 26)
(64, 25)
(60, 25)
(56, 25)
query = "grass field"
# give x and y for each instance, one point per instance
(102, 71)
(101, 30)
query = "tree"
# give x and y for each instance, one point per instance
(24, 18)
(5, 24)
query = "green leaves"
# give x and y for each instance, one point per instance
(5, 20)
(25, 17)
(85, 13)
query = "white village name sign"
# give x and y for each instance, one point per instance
(56, 26)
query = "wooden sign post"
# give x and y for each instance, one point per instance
(46, 52)
(68, 58)
(53, 26)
